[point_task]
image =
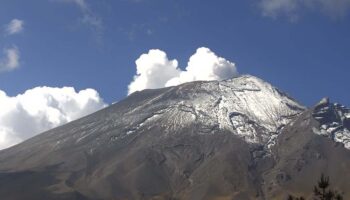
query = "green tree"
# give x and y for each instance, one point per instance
(322, 191)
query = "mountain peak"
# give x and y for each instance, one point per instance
(246, 106)
(334, 121)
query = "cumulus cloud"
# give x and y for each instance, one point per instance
(42, 108)
(292, 8)
(15, 26)
(10, 60)
(155, 70)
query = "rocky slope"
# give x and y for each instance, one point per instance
(236, 139)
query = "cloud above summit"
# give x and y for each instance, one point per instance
(42, 108)
(155, 70)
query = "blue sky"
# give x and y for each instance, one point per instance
(308, 57)
(51, 51)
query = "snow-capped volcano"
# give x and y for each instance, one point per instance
(240, 138)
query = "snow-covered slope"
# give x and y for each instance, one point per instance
(246, 106)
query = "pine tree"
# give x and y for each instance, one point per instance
(321, 191)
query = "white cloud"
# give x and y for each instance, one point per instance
(292, 8)
(155, 70)
(205, 65)
(11, 56)
(42, 108)
(15, 26)
(10, 60)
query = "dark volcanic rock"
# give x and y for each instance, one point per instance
(234, 139)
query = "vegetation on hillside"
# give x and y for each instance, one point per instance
(321, 191)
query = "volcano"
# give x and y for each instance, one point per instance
(240, 138)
